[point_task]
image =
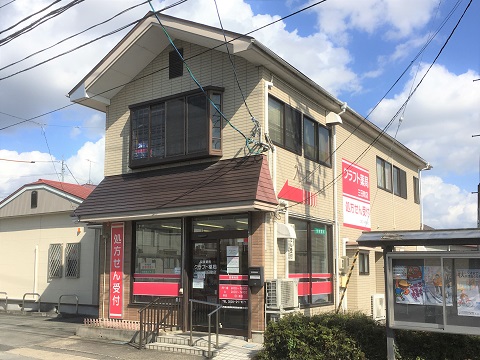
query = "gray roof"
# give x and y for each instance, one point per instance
(420, 237)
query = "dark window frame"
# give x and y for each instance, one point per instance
(317, 128)
(289, 113)
(175, 64)
(329, 239)
(391, 178)
(213, 130)
(364, 263)
(34, 199)
(416, 190)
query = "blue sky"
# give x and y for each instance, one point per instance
(355, 50)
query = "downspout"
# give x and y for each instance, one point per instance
(35, 271)
(287, 270)
(273, 163)
(335, 218)
(428, 167)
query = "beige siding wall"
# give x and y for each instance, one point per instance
(388, 212)
(210, 68)
(24, 244)
(47, 202)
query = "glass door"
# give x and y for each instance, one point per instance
(220, 276)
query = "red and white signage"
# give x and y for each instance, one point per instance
(233, 292)
(356, 196)
(116, 271)
(293, 193)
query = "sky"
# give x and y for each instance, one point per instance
(408, 64)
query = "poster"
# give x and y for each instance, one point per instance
(468, 292)
(408, 282)
(436, 288)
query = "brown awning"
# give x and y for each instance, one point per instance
(241, 184)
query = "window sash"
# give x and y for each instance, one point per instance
(416, 190)
(186, 126)
(313, 260)
(364, 264)
(72, 260)
(55, 261)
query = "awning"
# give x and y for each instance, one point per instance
(285, 231)
(420, 237)
(233, 185)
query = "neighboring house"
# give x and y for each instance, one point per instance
(192, 201)
(44, 253)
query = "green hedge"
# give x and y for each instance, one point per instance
(355, 336)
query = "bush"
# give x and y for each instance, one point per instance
(297, 337)
(354, 336)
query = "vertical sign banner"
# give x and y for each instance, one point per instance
(356, 196)
(116, 271)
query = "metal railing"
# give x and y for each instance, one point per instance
(33, 294)
(161, 313)
(6, 299)
(209, 316)
(76, 304)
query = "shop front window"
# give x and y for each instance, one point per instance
(158, 261)
(312, 265)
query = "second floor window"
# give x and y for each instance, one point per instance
(186, 126)
(391, 178)
(285, 126)
(316, 141)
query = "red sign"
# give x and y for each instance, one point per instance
(116, 271)
(298, 195)
(233, 292)
(356, 196)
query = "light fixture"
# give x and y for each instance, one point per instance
(170, 227)
(210, 225)
(335, 119)
(241, 222)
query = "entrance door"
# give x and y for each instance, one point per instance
(220, 276)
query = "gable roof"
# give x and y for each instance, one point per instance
(239, 184)
(147, 40)
(73, 192)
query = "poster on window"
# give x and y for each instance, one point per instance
(116, 271)
(435, 288)
(468, 292)
(408, 282)
(356, 196)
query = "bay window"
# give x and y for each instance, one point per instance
(184, 126)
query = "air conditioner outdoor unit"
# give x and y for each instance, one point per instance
(378, 306)
(282, 294)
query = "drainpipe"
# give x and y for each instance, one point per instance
(335, 218)
(35, 271)
(287, 270)
(273, 163)
(428, 167)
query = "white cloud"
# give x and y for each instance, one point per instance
(439, 120)
(394, 17)
(20, 170)
(446, 205)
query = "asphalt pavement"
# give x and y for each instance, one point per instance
(31, 336)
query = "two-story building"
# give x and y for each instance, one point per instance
(221, 157)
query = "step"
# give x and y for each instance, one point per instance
(182, 349)
(183, 340)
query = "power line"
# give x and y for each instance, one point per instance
(38, 22)
(72, 36)
(166, 67)
(397, 113)
(89, 42)
(28, 17)
(7, 4)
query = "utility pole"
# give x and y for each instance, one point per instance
(478, 190)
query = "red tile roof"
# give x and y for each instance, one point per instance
(80, 191)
